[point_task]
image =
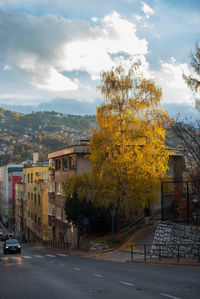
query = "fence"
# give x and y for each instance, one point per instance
(167, 252)
(60, 246)
(180, 201)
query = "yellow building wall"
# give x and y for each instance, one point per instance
(36, 189)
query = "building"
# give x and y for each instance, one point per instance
(64, 163)
(9, 175)
(35, 180)
(19, 210)
(176, 167)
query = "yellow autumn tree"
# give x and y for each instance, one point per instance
(128, 150)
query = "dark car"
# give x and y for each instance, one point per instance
(4, 237)
(11, 245)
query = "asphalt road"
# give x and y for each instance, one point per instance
(36, 274)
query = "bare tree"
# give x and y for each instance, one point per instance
(193, 82)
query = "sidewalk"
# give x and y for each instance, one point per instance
(123, 254)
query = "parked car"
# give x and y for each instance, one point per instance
(1, 234)
(4, 237)
(11, 245)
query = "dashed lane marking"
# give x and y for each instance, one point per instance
(98, 275)
(127, 283)
(50, 255)
(27, 256)
(78, 269)
(38, 256)
(61, 254)
(169, 296)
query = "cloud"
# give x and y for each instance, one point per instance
(170, 78)
(137, 17)
(33, 46)
(42, 57)
(95, 53)
(56, 82)
(7, 67)
(42, 48)
(148, 11)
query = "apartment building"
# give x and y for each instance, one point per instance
(64, 163)
(9, 175)
(19, 210)
(35, 180)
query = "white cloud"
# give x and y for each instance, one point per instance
(95, 53)
(56, 82)
(94, 19)
(46, 47)
(7, 67)
(137, 17)
(145, 25)
(148, 11)
(170, 78)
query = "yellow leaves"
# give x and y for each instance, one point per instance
(128, 151)
(79, 183)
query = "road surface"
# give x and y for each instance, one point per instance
(37, 273)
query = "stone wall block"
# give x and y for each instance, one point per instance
(178, 234)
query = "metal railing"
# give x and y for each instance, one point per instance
(167, 252)
(60, 246)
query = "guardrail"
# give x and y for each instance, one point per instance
(60, 246)
(180, 252)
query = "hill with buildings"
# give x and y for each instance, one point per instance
(22, 134)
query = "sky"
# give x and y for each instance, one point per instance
(56, 49)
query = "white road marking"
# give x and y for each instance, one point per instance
(76, 269)
(39, 256)
(169, 296)
(61, 254)
(97, 275)
(127, 283)
(27, 257)
(14, 257)
(50, 255)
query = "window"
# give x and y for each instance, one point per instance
(58, 188)
(28, 178)
(35, 198)
(28, 214)
(58, 164)
(28, 195)
(39, 221)
(65, 164)
(45, 176)
(71, 163)
(31, 196)
(31, 216)
(35, 219)
(31, 178)
(39, 199)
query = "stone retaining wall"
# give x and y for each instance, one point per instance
(172, 234)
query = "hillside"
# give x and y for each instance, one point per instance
(21, 134)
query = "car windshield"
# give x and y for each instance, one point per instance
(11, 242)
